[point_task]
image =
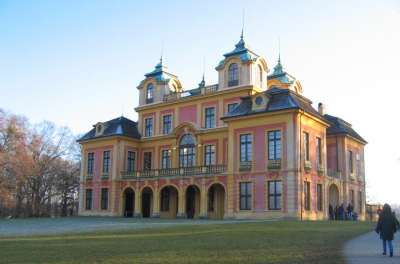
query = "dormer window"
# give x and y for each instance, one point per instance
(260, 102)
(150, 94)
(100, 128)
(233, 75)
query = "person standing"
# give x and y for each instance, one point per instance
(350, 211)
(330, 212)
(379, 211)
(386, 227)
(341, 211)
(336, 212)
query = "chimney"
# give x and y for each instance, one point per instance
(321, 109)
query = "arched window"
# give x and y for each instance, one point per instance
(258, 76)
(187, 152)
(233, 75)
(150, 93)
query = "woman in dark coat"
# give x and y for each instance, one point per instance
(386, 227)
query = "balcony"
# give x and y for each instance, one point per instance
(307, 166)
(197, 170)
(89, 177)
(275, 164)
(360, 179)
(233, 83)
(194, 92)
(320, 169)
(105, 176)
(245, 166)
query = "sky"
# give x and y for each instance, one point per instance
(77, 63)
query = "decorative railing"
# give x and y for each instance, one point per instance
(233, 83)
(360, 179)
(307, 166)
(193, 92)
(105, 176)
(245, 166)
(149, 101)
(332, 172)
(275, 164)
(89, 177)
(320, 169)
(197, 170)
(211, 88)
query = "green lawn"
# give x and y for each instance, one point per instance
(254, 242)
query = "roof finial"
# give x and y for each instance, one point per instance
(242, 25)
(122, 109)
(204, 66)
(279, 58)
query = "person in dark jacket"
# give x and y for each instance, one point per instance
(386, 227)
(350, 212)
(330, 212)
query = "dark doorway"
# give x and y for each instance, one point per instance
(129, 204)
(146, 205)
(190, 202)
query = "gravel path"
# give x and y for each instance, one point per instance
(54, 226)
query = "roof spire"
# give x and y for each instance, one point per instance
(279, 58)
(242, 36)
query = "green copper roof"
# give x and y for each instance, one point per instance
(160, 73)
(242, 51)
(281, 74)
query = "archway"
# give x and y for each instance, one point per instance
(168, 202)
(216, 201)
(129, 198)
(192, 202)
(147, 201)
(334, 195)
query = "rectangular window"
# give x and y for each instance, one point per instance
(104, 199)
(307, 196)
(210, 116)
(167, 124)
(245, 196)
(360, 202)
(209, 155)
(358, 157)
(318, 151)
(106, 161)
(319, 197)
(275, 195)
(274, 145)
(350, 161)
(305, 146)
(130, 161)
(232, 106)
(147, 161)
(90, 168)
(245, 148)
(165, 200)
(149, 127)
(211, 199)
(88, 199)
(166, 159)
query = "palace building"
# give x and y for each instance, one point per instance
(249, 147)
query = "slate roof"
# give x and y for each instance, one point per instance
(242, 51)
(119, 126)
(339, 126)
(280, 99)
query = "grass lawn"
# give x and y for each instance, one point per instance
(249, 242)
